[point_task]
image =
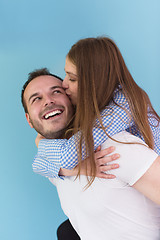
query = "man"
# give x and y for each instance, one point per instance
(48, 110)
(108, 208)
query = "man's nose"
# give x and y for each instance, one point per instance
(49, 100)
(65, 83)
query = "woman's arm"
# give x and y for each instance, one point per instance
(101, 160)
(149, 183)
(62, 153)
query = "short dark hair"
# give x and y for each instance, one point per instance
(31, 76)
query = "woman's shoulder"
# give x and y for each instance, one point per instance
(118, 103)
(118, 95)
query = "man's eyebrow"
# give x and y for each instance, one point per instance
(33, 95)
(37, 93)
(57, 87)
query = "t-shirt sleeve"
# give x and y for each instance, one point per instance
(135, 158)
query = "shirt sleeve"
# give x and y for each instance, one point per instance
(155, 127)
(135, 159)
(62, 153)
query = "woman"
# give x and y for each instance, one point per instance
(108, 101)
(100, 85)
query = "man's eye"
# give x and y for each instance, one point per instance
(57, 91)
(36, 99)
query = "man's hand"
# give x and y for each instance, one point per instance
(38, 138)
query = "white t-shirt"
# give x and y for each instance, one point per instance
(111, 209)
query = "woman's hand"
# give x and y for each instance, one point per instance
(101, 160)
(38, 138)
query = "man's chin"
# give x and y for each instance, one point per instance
(52, 135)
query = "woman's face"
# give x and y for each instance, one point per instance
(70, 82)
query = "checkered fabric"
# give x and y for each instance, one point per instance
(62, 153)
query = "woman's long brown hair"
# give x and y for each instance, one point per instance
(101, 69)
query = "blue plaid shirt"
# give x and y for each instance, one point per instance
(62, 153)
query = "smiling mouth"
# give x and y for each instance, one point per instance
(52, 114)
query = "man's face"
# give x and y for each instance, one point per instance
(49, 108)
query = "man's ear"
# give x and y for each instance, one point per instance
(28, 120)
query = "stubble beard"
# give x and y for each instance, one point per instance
(47, 134)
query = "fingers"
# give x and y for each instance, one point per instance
(105, 176)
(101, 153)
(102, 169)
(107, 159)
(105, 168)
(101, 160)
(98, 149)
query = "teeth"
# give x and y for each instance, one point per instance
(51, 114)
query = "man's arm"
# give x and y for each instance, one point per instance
(149, 183)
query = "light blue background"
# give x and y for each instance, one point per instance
(36, 34)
